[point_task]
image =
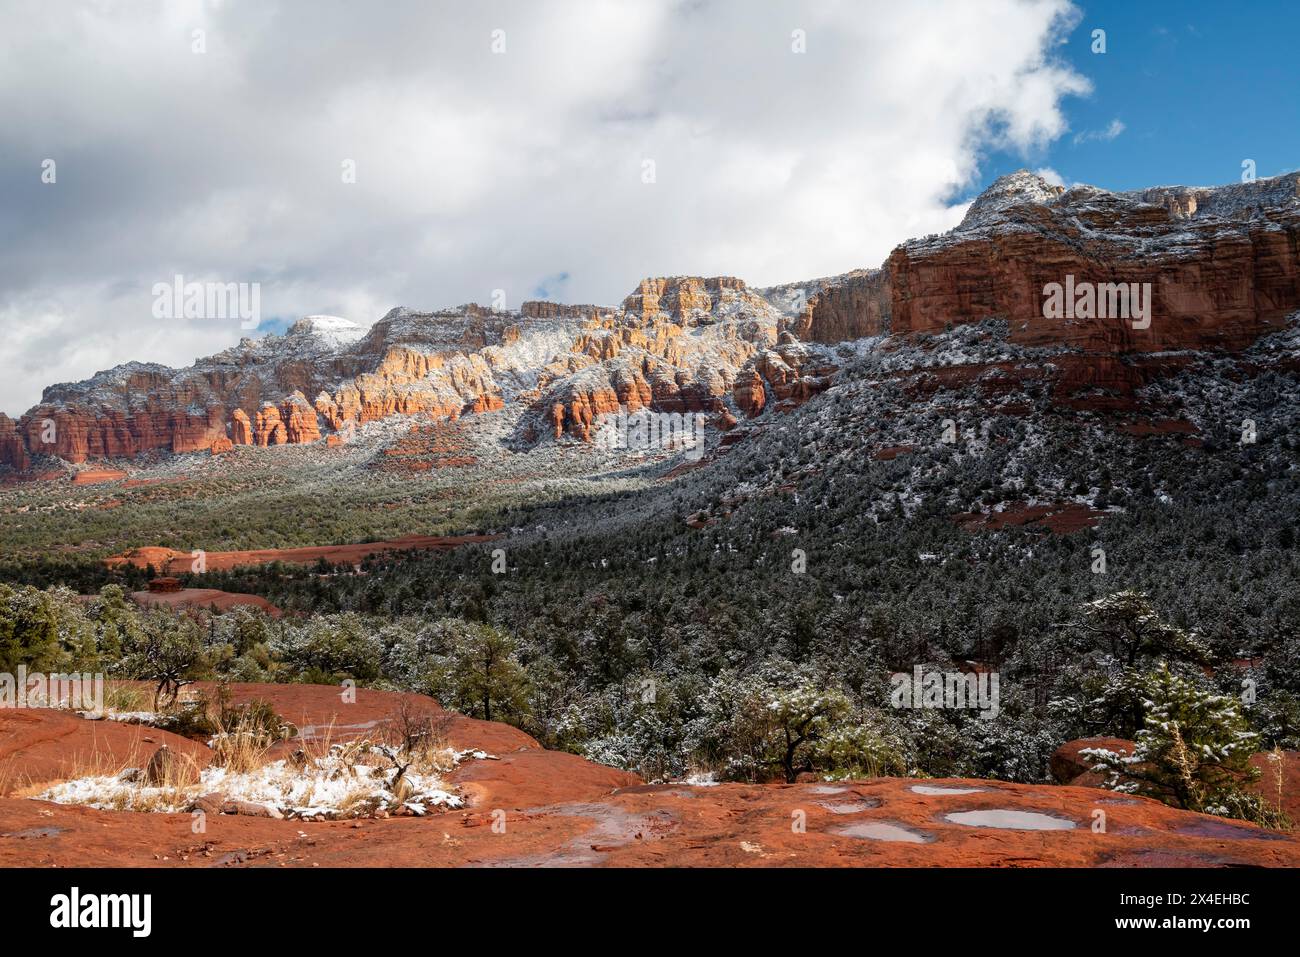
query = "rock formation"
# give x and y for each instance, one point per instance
(13, 452)
(241, 429)
(852, 306)
(1222, 265)
(270, 430)
(300, 423)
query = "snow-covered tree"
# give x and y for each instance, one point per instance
(1193, 752)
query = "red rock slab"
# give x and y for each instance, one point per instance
(888, 453)
(531, 777)
(169, 560)
(1143, 427)
(204, 598)
(670, 825)
(554, 809)
(97, 476)
(39, 745)
(24, 478)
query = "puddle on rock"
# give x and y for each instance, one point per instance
(827, 789)
(613, 828)
(849, 807)
(36, 832)
(882, 831)
(938, 789)
(1013, 820)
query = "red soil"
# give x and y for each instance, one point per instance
(204, 598)
(1062, 518)
(891, 452)
(97, 476)
(560, 809)
(24, 478)
(169, 560)
(1159, 427)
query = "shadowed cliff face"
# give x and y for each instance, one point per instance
(1219, 269)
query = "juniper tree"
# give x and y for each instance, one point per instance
(1193, 752)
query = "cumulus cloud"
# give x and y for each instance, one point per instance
(522, 170)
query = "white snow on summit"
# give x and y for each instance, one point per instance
(333, 329)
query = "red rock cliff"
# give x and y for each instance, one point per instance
(1222, 264)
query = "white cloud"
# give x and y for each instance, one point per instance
(1113, 130)
(478, 171)
(1052, 176)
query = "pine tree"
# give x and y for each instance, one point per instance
(1193, 752)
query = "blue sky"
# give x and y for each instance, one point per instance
(1198, 86)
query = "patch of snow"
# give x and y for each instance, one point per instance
(327, 787)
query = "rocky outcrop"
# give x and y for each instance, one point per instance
(1222, 265)
(677, 346)
(241, 429)
(579, 413)
(299, 418)
(77, 433)
(270, 430)
(13, 452)
(683, 298)
(791, 374)
(749, 392)
(852, 306)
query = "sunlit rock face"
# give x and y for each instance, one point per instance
(1209, 269)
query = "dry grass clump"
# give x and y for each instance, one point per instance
(399, 770)
(127, 698)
